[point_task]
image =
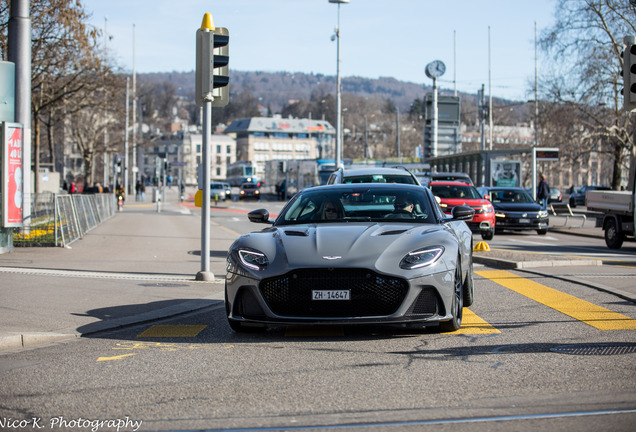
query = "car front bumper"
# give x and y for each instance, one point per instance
(374, 298)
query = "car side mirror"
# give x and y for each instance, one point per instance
(463, 213)
(259, 216)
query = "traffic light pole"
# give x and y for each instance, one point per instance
(205, 274)
(211, 81)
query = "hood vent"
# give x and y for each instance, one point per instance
(296, 233)
(394, 232)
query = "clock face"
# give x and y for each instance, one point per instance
(435, 69)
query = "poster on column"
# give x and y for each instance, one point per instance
(12, 175)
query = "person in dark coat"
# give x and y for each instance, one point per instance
(543, 192)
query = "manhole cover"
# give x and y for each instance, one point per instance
(596, 349)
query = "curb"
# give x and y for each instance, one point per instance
(508, 264)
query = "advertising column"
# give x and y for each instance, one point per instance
(12, 175)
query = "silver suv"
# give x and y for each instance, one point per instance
(373, 175)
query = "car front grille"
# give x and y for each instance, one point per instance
(372, 294)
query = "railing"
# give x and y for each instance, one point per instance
(59, 220)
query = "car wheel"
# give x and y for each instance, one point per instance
(458, 303)
(488, 235)
(542, 231)
(469, 287)
(613, 238)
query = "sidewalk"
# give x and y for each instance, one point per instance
(140, 266)
(137, 266)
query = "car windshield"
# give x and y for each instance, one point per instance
(510, 196)
(380, 178)
(357, 204)
(455, 191)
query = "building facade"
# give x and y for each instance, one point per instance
(261, 139)
(184, 153)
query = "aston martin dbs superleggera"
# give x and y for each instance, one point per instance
(353, 254)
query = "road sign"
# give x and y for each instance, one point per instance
(547, 154)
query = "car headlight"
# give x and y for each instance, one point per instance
(488, 209)
(253, 259)
(543, 213)
(421, 257)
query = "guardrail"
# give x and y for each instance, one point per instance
(60, 219)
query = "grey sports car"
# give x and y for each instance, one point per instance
(353, 254)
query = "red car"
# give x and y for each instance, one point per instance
(452, 194)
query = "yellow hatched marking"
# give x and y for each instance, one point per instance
(472, 324)
(172, 331)
(591, 314)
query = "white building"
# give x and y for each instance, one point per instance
(260, 139)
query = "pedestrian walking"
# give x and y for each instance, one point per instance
(543, 192)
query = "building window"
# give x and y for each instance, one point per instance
(198, 148)
(218, 160)
(229, 150)
(218, 149)
(218, 171)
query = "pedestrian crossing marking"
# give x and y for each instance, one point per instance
(172, 331)
(591, 314)
(473, 324)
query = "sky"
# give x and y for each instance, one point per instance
(378, 38)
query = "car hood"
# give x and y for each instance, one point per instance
(517, 207)
(380, 246)
(464, 201)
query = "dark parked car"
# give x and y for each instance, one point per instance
(578, 197)
(342, 254)
(515, 210)
(249, 190)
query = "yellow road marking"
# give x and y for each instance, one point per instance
(591, 314)
(472, 324)
(172, 331)
(119, 357)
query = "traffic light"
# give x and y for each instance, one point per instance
(629, 74)
(282, 166)
(220, 73)
(212, 59)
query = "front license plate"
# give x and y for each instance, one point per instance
(331, 294)
(524, 221)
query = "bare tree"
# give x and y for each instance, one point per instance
(65, 65)
(586, 43)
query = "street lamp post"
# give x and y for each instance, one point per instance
(339, 135)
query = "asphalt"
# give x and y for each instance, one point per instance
(141, 265)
